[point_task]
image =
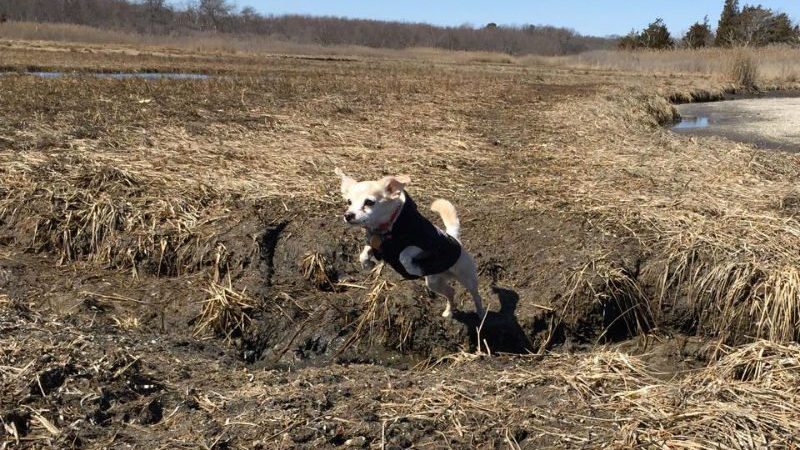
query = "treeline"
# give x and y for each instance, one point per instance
(222, 16)
(749, 26)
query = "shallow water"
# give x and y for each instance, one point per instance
(766, 122)
(692, 122)
(119, 75)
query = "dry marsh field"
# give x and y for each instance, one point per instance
(85, 39)
(174, 272)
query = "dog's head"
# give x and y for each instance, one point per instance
(371, 204)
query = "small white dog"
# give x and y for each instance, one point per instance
(399, 235)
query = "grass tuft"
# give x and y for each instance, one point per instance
(316, 269)
(225, 312)
(743, 69)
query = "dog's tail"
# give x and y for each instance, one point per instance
(449, 216)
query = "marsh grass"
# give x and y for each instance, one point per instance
(770, 66)
(744, 66)
(745, 398)
(743, 69)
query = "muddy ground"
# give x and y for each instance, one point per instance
(174, 272)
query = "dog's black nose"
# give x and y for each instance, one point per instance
(348, 216)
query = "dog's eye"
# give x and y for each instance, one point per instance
(349, 202)
(369, 202)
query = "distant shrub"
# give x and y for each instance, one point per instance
(699, 35)
(655, 36)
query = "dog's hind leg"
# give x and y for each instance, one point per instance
(440, 284)
(466, 273)
(471, 284)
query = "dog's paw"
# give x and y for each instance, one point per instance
(367, 264)
(365, 258)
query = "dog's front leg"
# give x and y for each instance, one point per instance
(365, 258)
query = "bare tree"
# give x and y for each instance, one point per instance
(214, 11)
(156, 10)
(753, 26)
(248, 12)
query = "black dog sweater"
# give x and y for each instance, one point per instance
(439, 250)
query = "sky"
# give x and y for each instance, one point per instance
(592, 17)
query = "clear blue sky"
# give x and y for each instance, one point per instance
(594, 17)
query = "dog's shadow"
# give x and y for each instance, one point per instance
(500, 331)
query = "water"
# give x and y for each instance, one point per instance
(119, 75)
(768, 122)
(692, 122)
(155, 76)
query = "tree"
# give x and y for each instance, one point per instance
(753, 25)
(214, 11)
(699, 35)
(156, 13)
(248, 12)
(630, 41)
(657, 36)
(726, 28)
(781, 30)
(758, 26)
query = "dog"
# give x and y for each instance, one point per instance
(408, 242)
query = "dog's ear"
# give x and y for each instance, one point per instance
(394, 185)
(347, 182)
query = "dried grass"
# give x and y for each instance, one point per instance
(127, 322)
(735, 287)
(96, 40)
(225, 312)
(95, 211)
(375, 312)
(707, 213)
(316, 269)
(746, 399)
(775, 65)
(743, 69)
(616, 292)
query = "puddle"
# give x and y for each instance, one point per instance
(692, 122)
(155, 76)
(772, 123)
(118, 76)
